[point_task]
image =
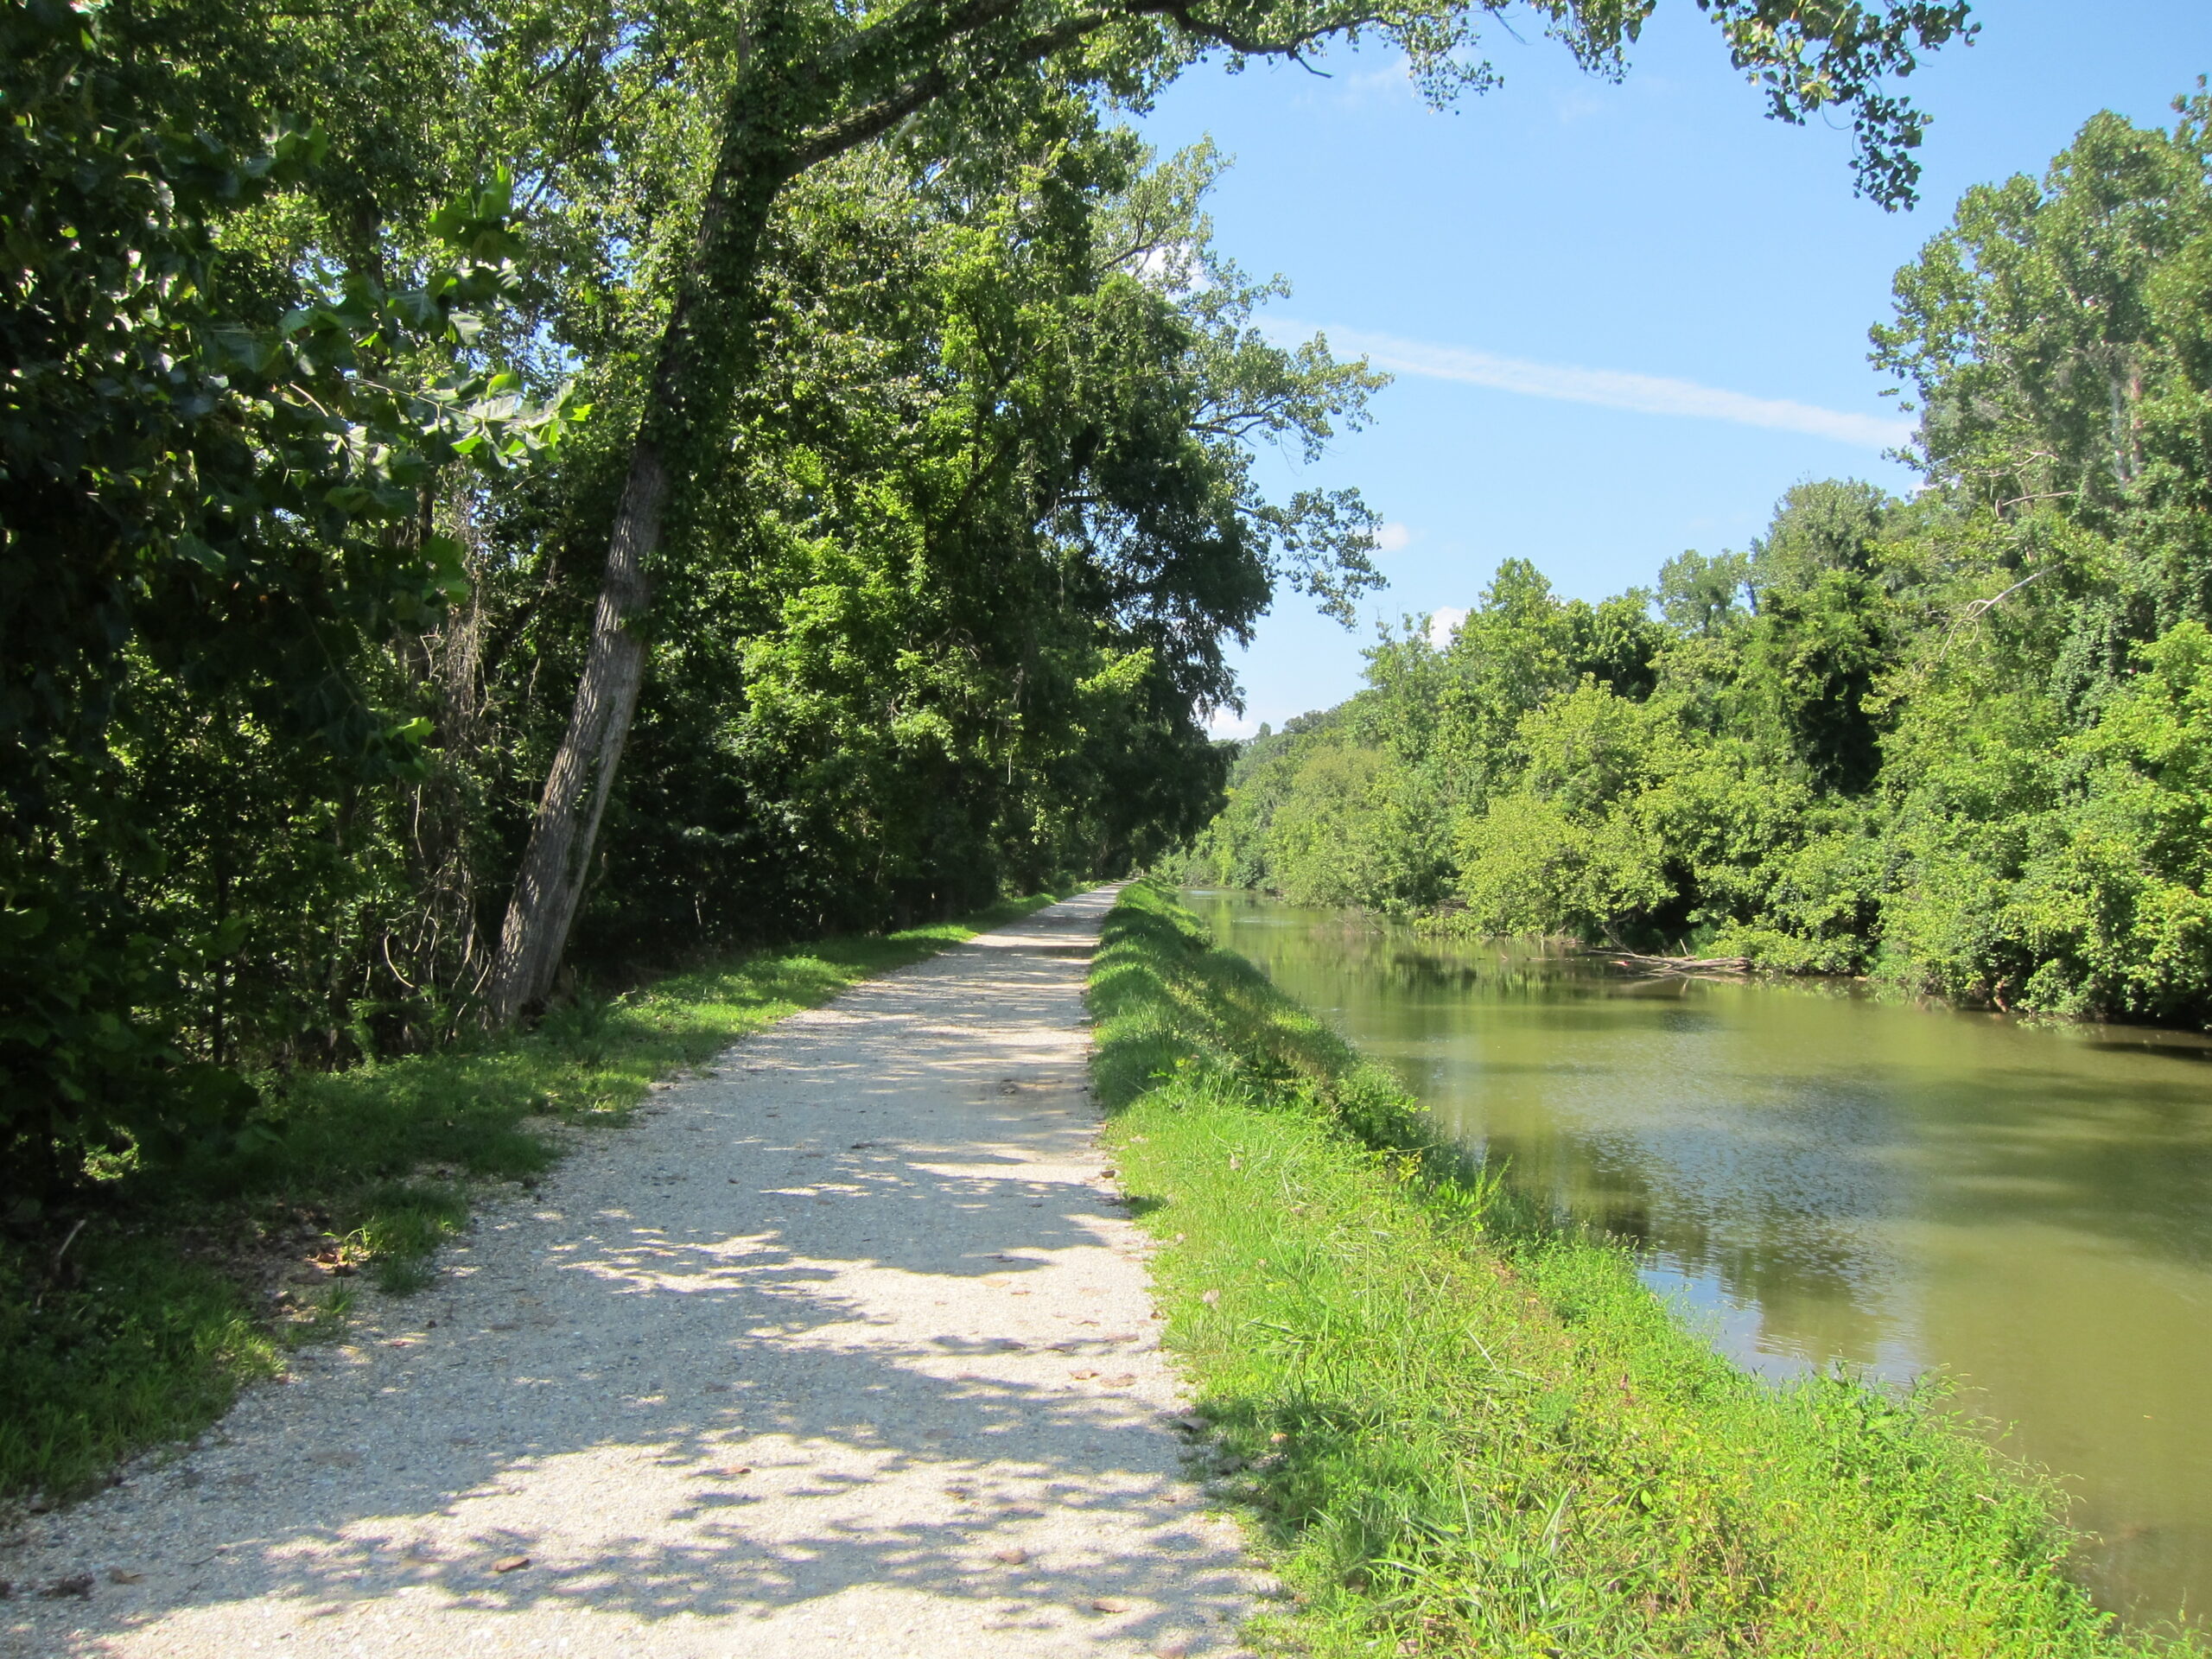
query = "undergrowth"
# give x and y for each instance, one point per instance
(139, 1326)
(1463, 1427)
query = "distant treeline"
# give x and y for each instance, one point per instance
(1963, 741)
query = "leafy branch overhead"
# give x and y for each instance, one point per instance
(857, 74)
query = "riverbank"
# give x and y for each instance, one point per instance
(170, 1297)
(1461, 1429)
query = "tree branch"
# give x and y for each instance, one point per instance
(877, 118)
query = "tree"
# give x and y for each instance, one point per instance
(961, 584)
(213, 480)
(814, 82)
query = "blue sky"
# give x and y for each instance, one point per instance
(1636, 314)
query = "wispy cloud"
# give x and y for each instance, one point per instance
(1648, 394)
(1387, 85)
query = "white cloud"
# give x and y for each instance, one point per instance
(1386, 84)
(1443, 622)
(1227, 723)
(1648, 394)
(1392, 539)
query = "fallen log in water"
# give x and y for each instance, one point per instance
(1637, 962)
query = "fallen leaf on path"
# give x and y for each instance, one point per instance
(1123, 1381)
(1103, 1605)
(511, 1563)
(123, 1575)
(1011, 1557)
(1083, 1377)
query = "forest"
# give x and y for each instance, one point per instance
(312, 459)
(1961, 742)
(498, 491)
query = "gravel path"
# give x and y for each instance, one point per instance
(846, 1348)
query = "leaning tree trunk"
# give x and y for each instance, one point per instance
(702, 353)
(770, 136)
(550, 883)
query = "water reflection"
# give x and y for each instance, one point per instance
(1826, 1176)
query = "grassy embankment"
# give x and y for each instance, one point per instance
(1465, 1430)
(161, 1307)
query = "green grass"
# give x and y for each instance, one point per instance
(1462, 1428)
(145, 1328)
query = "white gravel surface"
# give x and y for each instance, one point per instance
(846, 1348)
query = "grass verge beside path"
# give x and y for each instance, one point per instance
(175, 1291)
(1464, 1430)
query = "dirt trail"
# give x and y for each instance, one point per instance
(846, 1348)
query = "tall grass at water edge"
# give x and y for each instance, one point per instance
(1463, 1427)
(142, 1329)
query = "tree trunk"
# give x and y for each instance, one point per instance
(550, 883)
(702, 352)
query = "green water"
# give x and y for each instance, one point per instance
(1821, 1175)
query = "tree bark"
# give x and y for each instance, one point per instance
(550, 883)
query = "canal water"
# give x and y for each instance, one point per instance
(1821, 1175)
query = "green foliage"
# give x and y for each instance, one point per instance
(145, 1347)
(293, 578)
(975, 598)
(1954, 740)
(1462, 1429)
(212, 490)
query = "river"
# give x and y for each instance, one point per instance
(1819, 1174)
